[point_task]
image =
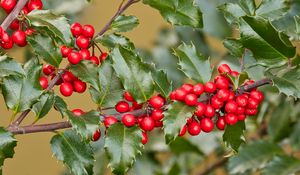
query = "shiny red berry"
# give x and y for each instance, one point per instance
(34, 4)
(74, 58)
(8, 45)
(122, 107)
(191, 99)
(198, 89)
(82, 42)
(66, 89)
(157, 114)
(231, 107)
(79, 86)
(200, 109)
(128, 120)
(103, 56)
(136, 105)
(194, 128)
(187, 87)
(147, 124)
(157, 102)
(221, 123)
(234, 73)
(216, 103)
(110, 120)
(182, 131)
(8, 5)
(223, 94)
(29, 31)
(231, 119)
(180, 94)
(78, 112)
(15, 25)
(96, 135)
(172, 95)
(210, 111)
(68, 77)
(241, 117)
(207, 125)
(222, 83)
(252, 103)
(48, 69)
(251, 111)
(144, 138)
(255, 94)
(76, 29)
(231, 96)
(94, 60)
(127, 96)
(85, 54)
(65, 51)
(241, 101)
(88, 31)
(224, 68)
(240, 110)
(44, 82)
(210, 87)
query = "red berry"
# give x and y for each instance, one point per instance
(82, 42)
(200, 109)
(88, 31)
(34, 4)
(252, 103)
(207, 125)
(210, 111)
(157, 102)
(241, 101)
(187, 87)
(231, 119)
(59, 81)
(255, 94)
(198, 89)
(147, 124)
(222, 83)
(66, 89)
(216, 103)
(128, 120)
(5, 38)
(7, 45)
(240, 110)
(234, 73)
(210, 87)
(94, 60)
(241, 117)
(221, 123)
(223, 94)
(29, 31)
(135, 105)
(25, 10)
(8, 5)
(68, 77)
(85, 54)
(65, 51)
(15, 25)
(110, 120)
(251, 111)
(194, 128)
(97, 135)
(180, 94)
(103, 56)
(224, 68)
(48, 69)
(76, 29)
(127, 96)
(172, 96)
(79, 86)
(157, 114)
(190, 120)
(191, 99)
(231, 96)
(231, 107)
(74, 58)
(122, 106)
(78, 112)
(144, 138)
(44, 82)
(158, 124)
(182, 131)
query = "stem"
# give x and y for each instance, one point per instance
(13, 14)
(254, 85)
(213, 166)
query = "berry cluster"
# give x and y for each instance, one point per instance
(84, 40)
(216, 103)
(19, 25)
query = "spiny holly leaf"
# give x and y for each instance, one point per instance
(110, 88)
(282, 165)
(233, 136)
(193, 63)
(75, 154)
(175, 119)
(7, 145)
(274, 46)
(112, 40)
(44, 105)
(162, 83)
(134, 73)
(287, 81)
(60, 105)
(234, 46)
(178, 12)
(58, 25)
(124, 23)
(45, 48)
(232, 12)
(87, 72)
(253, 156)
(272, 9)
(8, 66)
(181, 145)
(122, 145)
(294, 138)
(86, 124)
(248, 6)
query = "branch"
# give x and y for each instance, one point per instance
(256, 84)
(13, 14)
(213, 166)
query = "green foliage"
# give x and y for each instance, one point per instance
(60, 105)
(181, 145)
(8, 66)
(233, 136)
(44, 105)
(124, 23)
(162, 83)
(112, 40)
(7, 145)
(282, 165)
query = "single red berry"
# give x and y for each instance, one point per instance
(48, 69)
(122, 106)
(223, 94)
(76, 29)
(79, 86)
(159, 124)
(85, 54)
(200, 109)
(65, 51)
(8, 45)
(66, 89)
(144, 138)
(198, 89)
(34, 4)
(190, 120)
(251, 111)
(207, 125)
(138, 120)
(88, 31)
(241, 117)
(234, 73)
(29, 31)
(74, 58)
(231, 96)
(103, 56)
(231, 119)
(191, 99)
(110, 120)
(96, 135)
(221, 123)
(210, 111)
(157, 114)
(172, 95)
(82, 42)
(78, 112)
(25, 10)
(44, 82)
(194, 128)
(157, 102)
(8, 5)
(252, 103)
(180, 94)
(224, 68)
(94, 60)
(240, 110)
(182, 131)
(231, 107)
(222, 83)
(187, 87)
(68, 77)
(147, 124)
(255, 94)
(241, 101)
(5, 38)
(19, 38)
(15, 25)
(216, 103)
(128, 120)
(127, 96)
(136, 105)
(210, 87)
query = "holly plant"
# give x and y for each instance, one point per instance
(219, 90)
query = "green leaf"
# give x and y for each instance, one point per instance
(253, 156)
(162, 83)
(248, 6)
(122, 145)
(134, 73)
(282, 165)
(7, 145)
(45, 48)
(272, 9)
(44, 105)
(178, 12)
(274, 46)
(58, 25)
(8, 66)
(233, 136)
(112, 40)
(124, 23)
(85, 125)
(234, 46)
(294, 138)
(175, 119)
(110, 89)
(61, 106)
(232, 12)
(75, 154)
(181, 145)
(175, 169)
(193, 64)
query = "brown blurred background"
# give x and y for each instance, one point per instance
(33, 155)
